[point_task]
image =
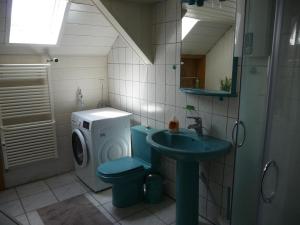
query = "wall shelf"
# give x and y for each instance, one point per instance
(198, 91)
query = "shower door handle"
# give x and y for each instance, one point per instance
(268, 199)
(235, 129)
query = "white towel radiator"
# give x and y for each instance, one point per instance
(26, 114)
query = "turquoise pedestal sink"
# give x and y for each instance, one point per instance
(188, 149)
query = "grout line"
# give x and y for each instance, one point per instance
(131, 214)
(19, 198)
(102, 205)
(156, 216)
(91, 194)
(116, 219)
(27, 218)
(52, 192)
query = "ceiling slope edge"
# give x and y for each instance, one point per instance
(133, 21)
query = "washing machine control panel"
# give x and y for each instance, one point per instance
(81, 123)
(86, 125)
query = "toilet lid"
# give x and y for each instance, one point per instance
(121, 166)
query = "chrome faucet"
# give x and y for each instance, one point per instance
(197, 126)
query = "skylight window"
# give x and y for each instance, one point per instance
(187, 25)
(36, 21)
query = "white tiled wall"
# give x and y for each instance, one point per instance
(151, 93)
(69, 74)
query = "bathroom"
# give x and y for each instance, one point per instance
(130, 56)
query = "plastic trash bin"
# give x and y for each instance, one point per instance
(153, 186)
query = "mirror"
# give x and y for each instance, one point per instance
(208, 65)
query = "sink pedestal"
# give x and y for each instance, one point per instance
(187, 192)
(188, 149)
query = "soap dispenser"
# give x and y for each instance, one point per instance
(174, 125)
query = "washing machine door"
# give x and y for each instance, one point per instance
(79, 148)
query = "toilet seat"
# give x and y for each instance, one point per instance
(122, 169)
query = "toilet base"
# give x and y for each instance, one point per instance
(127, 194)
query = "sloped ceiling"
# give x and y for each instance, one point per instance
(85, 31)
(133, 20)
(214, 21)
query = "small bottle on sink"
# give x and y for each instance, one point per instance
(174, 125)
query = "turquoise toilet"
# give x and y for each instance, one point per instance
(127, 174)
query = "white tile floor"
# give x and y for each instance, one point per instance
(23, 201)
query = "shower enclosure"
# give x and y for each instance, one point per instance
(267, 169)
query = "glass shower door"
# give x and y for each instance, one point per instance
(280, 184)
(252, 111)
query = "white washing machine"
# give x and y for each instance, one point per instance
(98, 136)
